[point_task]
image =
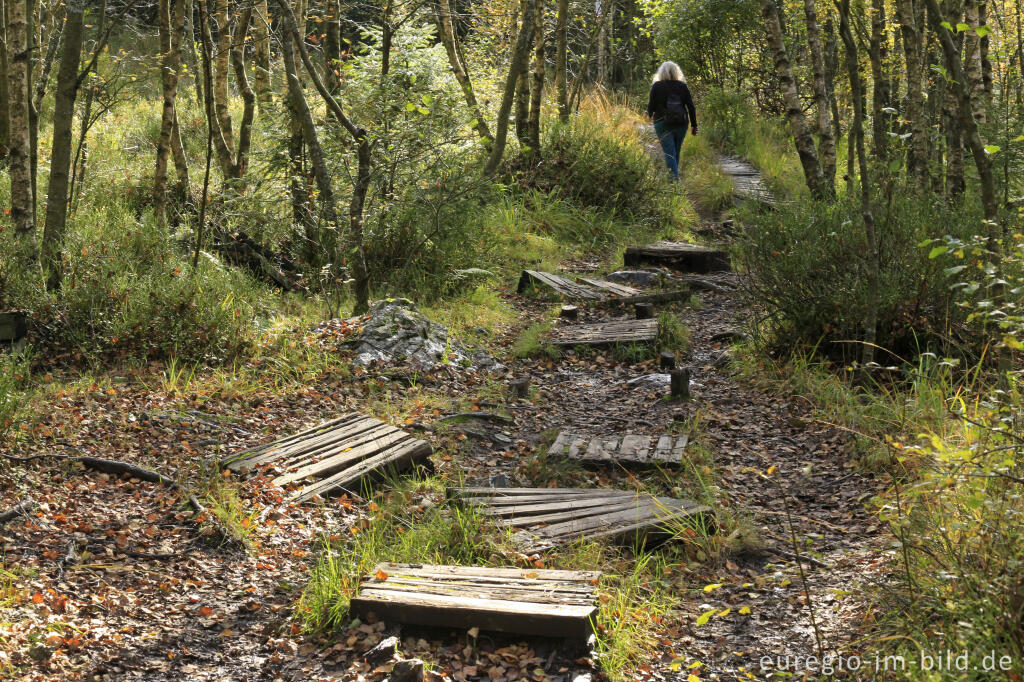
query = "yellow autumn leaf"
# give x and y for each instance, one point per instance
(708, 589)
(692, 678)
(723, 613)
(705, 617)
(744, 611)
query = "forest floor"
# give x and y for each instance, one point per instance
(108, 578)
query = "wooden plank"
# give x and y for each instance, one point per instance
(612, 288)
(521, 491)
(309, 438)
(342, 460)
(629, 449)
(561, 285)
(400, 458)
(604, 333)
(587, 502)
(662, 297)
(679, 255)
(537, 602)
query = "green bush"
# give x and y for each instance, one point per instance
(807, 270)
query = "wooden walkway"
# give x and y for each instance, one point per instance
(746, 180)
(679, 256)
(544, 518)
(605, 333)
(585, 288)
(333, 456)
(628, 449)
(522, 601)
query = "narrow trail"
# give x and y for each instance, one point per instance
(814, 492)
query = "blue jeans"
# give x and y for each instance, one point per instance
(671, 138)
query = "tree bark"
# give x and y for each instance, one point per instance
(561, 59)
(446, 31)
(20, 162)
(261, 50)
(794, 108)
(972, 59)
(52, 39)
(917, 158)
(831, 68)
(881, 99)
(857, 132)
(5, 121)
(60, 153)
(520, 55)
(172, 26)
(537, 85)
(240, 163)
(826, 141)
(220, 72)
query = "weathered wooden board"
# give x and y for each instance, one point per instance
(678, 255)
(628, 449)
(522, 601)
(746, 180)
(612, 288)
(562, 285)
(334, 455)
(605, 333)
(544, 518)
(660, 297)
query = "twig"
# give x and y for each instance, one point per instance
(16, 511)
(799, 557)
(489, 416)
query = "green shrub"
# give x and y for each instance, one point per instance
(807, 271)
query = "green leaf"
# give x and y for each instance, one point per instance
(961, 27)
(423, 110)
(983, 31)
(409, 106)
(949, 272)
(427, 99)
(992, 149)
(948, 26)
(937, 251)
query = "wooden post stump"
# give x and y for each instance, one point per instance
(680, 383)
(667, 360)
(644, 311)
(519, 388)
(569, 312)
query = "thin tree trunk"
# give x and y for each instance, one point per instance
(983, 47)
(332, 46)
(188, 51)
(917, 159)
(857, 132)
(446, 31)
(966, 108)
(826, 141)
(20, 163)
(52, 39)
(520, 56)
(561, 59)
(831, 68)
(5, 121)
(881, 99)
(60, 153)
(301, 209)
(955, 183)
(794, 108)
(220, 72)
(81, 158)
(261, 48)
(537, 85)
(241, 161)
(972, 59)
(172, 23)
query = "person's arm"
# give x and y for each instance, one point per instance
(691, 109)
(650, 103)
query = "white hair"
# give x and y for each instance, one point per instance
(669, 71)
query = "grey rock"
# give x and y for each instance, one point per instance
(394, 329)
(656, 382)
(644, 278)
(409, 670)
(384, 650)
(498, 481)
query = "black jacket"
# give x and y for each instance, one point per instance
(659, 97)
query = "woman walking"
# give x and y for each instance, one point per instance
(671, 108)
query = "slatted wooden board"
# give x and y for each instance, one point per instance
(605, 333)
(586, 288)
(523, 601)
(334, 455)
(628, 449)
(543, 518)
(746, 180)
(678, 255)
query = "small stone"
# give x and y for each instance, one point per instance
(644, 278)
(409, 670)
(498, 481)
(384, 650)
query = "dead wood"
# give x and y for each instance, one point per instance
(16, 511)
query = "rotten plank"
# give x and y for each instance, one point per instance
(525, 601)
(679, 255)
(629, 448)
(561, 285)
(605, 333)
